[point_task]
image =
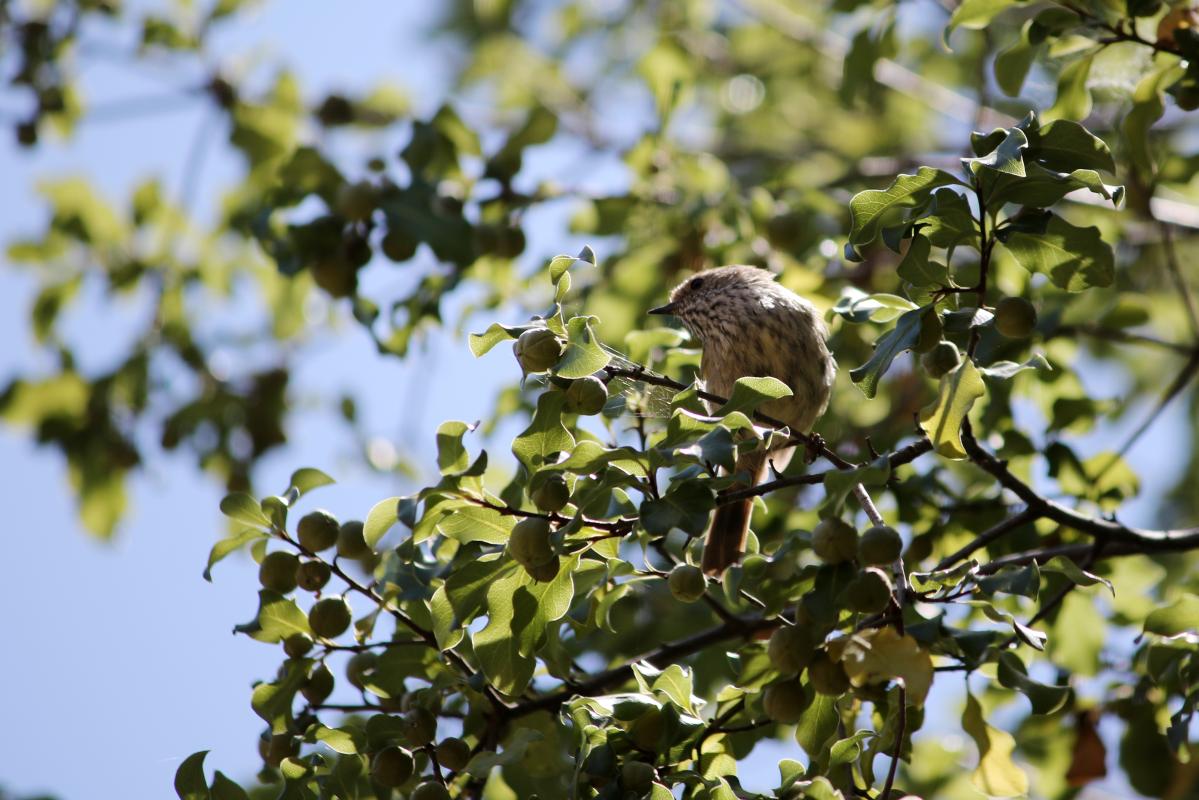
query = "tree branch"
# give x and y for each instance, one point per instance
(986, 537)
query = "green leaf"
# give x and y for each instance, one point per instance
(916, 269)
(1073, 97)
(749, 393)
(1075, 574)
(1007, 157)
(477, 524)
(857, 306)
(346, 741)
(224, 788)
(1064, 146)
(870, 209)
(452, 457)
(272, 701)
(1073, 258)
(583, 355)
(882, 654)
(1045, 699)
(481, 343)
(545, 435)
(1181, 616)
(838, 483)
(1148, 105)
(278, 617)
(942, 421)
(229, 544)
(685, 506)
(817, 727)
(244, 508)
(1006, 370)
(949, 221)
(305, 479)
(996, 775)
(379, 520)
(1043, 187)
(190, 783)
(1012, 63)
(902, 337)
(977, 14)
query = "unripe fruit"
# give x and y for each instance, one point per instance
(430, 790)
(586, 396)
(356, 201)
(398, 246)
(828, 677)
(335, 275)
(453, 754)
(791, 648)
(552, 494)
(538, 349)
(319, 685)
(834, 541)
(359, 667)
(391, 767)
(1015, 317)
(870, 591)
(879, 545)
(543, 573)
(785, 701)
(329, 617)
(637, 776)
(419, 726)
(282, 745)
(687, 583)
(529, 542)
(278, 571)
(941, 360)
(350, 540)
(297, 645)
(313, 575)
(317, 530)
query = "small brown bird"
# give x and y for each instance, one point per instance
(751, 326)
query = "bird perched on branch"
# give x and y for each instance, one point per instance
(749, 325)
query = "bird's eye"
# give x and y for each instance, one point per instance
(697, 283)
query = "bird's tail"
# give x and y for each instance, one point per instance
(730, 524)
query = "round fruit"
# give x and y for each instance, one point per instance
(879, 545)
(282, 745)
(399, 246)
(834, 541)
(356, 201)
(335, 275)
(329, 617)
(278, 572)
(637, 776)
(941, 360)
(358, 668)
(529, 542)
(319, 685)
(297, 645)
(870, 591)
(586, 396)
(420, 726)
(1015, 317)
(317, 530)
(453, 753)
(392, 767)
(785, 701)
(828, 677)
(790, 648)
(511, 242)
(430, 790)
(538, 349)
(552, 494)
(313, 575)
(687, 583)
(543, 573)
(350, 540)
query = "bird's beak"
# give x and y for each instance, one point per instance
(669, 308)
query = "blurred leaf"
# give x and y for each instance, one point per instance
(1073, 258)
(1044, 699)
(244, 508)
(996, 774)
(1180, 616)
(308, 478)
(882, 654)
(228, 545)
(452, 457)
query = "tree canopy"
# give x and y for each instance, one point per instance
(993, 202)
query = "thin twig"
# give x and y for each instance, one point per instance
(985, 538)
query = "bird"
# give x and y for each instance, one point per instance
(750, 325)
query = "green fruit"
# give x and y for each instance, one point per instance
(453, 753)
(356, 201)
(687, 583)
(538, 349)
(544, 573)
(392, 767)
(282, 745)
(350, 540)
(637, 776)
(586, 396)
(552, 494)
(398, 246)
(311, 576)
(785, 702)
(930, 333)
(359, 667)
(419, 726)
(319, 685)
(646, 732)
(1015, 317)
(278, 572)
(510, 243)
(430, 790)
(828, 677)
(941, 360)
(335, 275)
(529, 542)
(879, 545)
(329, 617)
(297, 645)
(317, 531)
(834, 541)
(791, 648)
(870, 591)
